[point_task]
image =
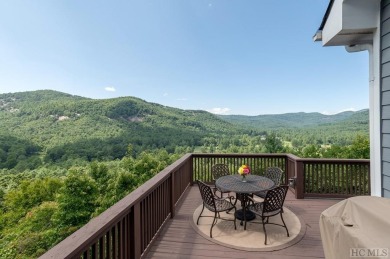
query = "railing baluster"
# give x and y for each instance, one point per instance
(94, 251)
(108, 244)
(150, 214)
(338, 178)
(101, 248)
(332, 179)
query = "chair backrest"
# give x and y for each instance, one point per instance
(219, 170)
(207, 194)
(274, 199)
(275, 174)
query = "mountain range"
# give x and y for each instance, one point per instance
(298, 120)
(61, 126)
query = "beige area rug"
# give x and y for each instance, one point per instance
(251, 239)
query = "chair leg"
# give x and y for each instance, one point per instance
(265, 231)
(244, 200)
(244, 214)
(228, 211)
(244, 211)
(284, 224)
(235, 202)
(212, 225)
(235, 226)
(197, 222)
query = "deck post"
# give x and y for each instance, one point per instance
(191, 168)
(300, 180)
(286, 170)
(135, 236)
(172, 194)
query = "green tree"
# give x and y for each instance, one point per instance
(28, 194)
(36, 232)
(360, 148)
(273, 144)
(334, 151)
(312, 151)
(76, 200)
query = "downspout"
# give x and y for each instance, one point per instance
(374, 115)
(369, 48)
(363, 47)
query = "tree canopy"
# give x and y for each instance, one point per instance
(65, 159)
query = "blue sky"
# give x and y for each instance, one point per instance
(225, 56)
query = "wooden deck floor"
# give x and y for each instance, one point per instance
(179, 240)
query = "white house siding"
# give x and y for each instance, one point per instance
(385, 96)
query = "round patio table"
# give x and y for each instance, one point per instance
(253, 184)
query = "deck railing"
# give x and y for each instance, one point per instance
(127, 229)
(309, 177)
(335, 178)
(202, 164)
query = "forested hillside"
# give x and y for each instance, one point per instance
(46, 127)
(64, 159)
(308, 128)
(294, 120)
(60, 127)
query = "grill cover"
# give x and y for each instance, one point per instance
(357, 227)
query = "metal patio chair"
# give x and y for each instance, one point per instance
(215, 204)
(217, 171)
(273, 173)
(271, 206)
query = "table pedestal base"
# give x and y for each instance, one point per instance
(249, 215)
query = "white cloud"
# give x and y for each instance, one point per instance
(182, 99)
(327, 113)
(165, 94)
(110, 89)
(219, 110)
(333, 113)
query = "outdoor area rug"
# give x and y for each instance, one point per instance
(251, 239)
